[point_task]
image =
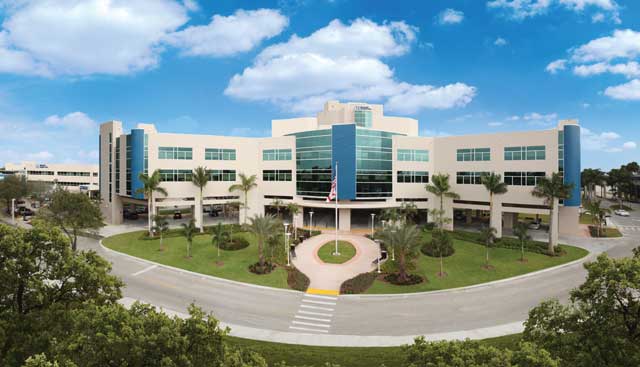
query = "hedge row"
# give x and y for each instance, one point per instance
(177, 232)
(358, 284)
(505, 242)
(297, 280)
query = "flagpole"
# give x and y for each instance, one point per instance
(336, 252)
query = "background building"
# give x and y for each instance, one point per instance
(82, 177)
(382, 162)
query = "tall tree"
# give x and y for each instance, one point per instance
(294, 210)
(521, 231)
(247, 183)
(441, 188)
(189, 231)
(73, 212)
(161, 227)
(404, 239)
(150, 185)
(408, 211)
(200, 178)
(494, 185)
(219, 235)
(551, 190)
(441, 242)
(598, 214)
(488, 235)
(263, 227)
(601, 324)
(278, 204)
(13, 187)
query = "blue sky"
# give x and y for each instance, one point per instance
(229, 67)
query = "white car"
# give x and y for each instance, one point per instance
(622, 213)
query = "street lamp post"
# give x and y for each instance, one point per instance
(373, 219)
(286, 241)
(379, 254)
(13, 211)
(286, 245)
(311, 219)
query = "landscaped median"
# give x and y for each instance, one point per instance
(346, 252)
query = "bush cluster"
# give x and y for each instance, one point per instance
(505, 242)
(177, 232)
(236, 243)
(358, 284)
(266, 268)
(297, 280)
(430, 248)
(394, 278)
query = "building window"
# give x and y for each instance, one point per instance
(561, 153)
(175, 153)
(222, 175)
(470, 178)
(176, 175)
(313, 163)
(79, 174)
(128, 164)
(276, 175)
(530, 153)
(218, 154)
(413, 177)
(473, 154)
(276, 155)
(523, 178)
(117, 165)
(363, 116)
(41, 173)
(374, 164)
(413, 155)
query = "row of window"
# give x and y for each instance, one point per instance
(276, 175)
(413, 177)
(524, 153)
(510, 178)
(473, 154)
(219, 154)
(276, 155)
(175, 153)
(413, 155)
(184, 175)
(62, 173)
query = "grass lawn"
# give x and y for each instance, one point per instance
(346, 249)
(465, 267)
(344, 356)
(611, 232)
(586, 219)
(230, 265)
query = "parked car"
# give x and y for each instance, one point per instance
(177, 214)
(536, 224)
(622, 213)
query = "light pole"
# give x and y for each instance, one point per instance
(286, 249)
(373, 219)
(286, 241)
(379, 254)
(13, 211)
(311, 220)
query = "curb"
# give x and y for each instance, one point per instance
(169, 267)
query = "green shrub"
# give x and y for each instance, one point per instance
(429, 226)
(236, 243)
(412, 279)
(505, 242)
(358, 284)
(266, 268)
(297, 280)
(433, 248)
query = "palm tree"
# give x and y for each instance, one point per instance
(520, 230)
(441, 188)
(246, 184)
(263, 227)
(408, 210)
(200, 178)
(277, 203)
(391, 215)
(441, 241)
(552, 189)
(493, 183)
(150, 184)
(189, 231)
(405, 240)
(294, 209)
(488, 235)
(161, 227)
(219, 235)
(598, 214)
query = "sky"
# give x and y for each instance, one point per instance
(230, 67)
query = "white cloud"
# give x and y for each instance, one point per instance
(535, 116)
(500, 41)
(597, 18)
(341, 61)
(77, 121)
(513, 118)
(495, 124)
(607, 141)
(629, 145)
(556, 66)
(428, 132)
(522, 9)
(450, 16)
(88, 37)
(630, 69)
(229, 35)
(586, 105)
(622, 44)
(191, 5)
(41, 156)
(628, 91)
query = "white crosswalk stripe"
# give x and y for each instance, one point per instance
(313, 314)
(630, 228)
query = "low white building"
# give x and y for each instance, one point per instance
(381, 162)
(75, 177)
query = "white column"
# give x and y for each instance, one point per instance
(298, 219)
(448, 211)
(510, 219)
(554, 223)
(496, 217)
(344, 222)
(196, 213)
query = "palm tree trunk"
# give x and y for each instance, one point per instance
(149, 211)
(441, 224)
(401, 267)
(245, 206)
(260, 254)
(189, 248)
(522, 251)
(441, 264)
(201, 213)
(487, 258)
(553, 217)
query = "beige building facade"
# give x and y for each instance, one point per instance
(75, 177)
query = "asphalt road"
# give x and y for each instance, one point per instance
(269, 314)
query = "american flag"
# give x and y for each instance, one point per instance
(332, 194)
